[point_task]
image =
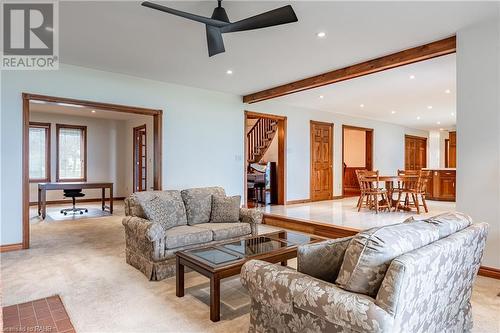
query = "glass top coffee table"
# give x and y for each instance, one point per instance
(224, 260)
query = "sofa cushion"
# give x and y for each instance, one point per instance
(370, 253)
(450, 222)
(198, 202)
(225, 209)
(163, 207)
(227, 230)
(186, 235)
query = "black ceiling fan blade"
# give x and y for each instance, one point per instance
(189, 16)
(214, 41)
(271, 18)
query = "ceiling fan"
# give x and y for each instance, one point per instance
(219, 22)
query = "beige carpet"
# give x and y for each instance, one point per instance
(83, 261)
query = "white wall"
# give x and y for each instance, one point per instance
(105, 152)
(434, 149)
(478, 130)
(271, 154)
(354, 148)
(388, 144)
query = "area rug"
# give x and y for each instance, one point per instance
(42, 315)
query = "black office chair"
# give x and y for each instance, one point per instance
(73, 194)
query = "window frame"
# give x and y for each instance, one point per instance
(84, 144)
(47, 127)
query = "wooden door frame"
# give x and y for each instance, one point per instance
(157, 115)
(446, 152)
(332, 125)
(134, 131)
(368, 152)
(282, 135)
(409, 136)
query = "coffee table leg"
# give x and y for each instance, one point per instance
(214, 298)
(179, 278)
(284, 263)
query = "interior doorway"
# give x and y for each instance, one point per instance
(265, 159)
(140, 158)
(321, 177)
(357, 154)
(71, 150)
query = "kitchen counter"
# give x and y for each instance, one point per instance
(442, 184)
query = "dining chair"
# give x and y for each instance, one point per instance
(416, 189)
(362, 189)
(376, 197)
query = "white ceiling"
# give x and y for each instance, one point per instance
(392, 90)
(76, 111)
(125, 37)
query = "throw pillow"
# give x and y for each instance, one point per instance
(225, 209)
(163, 212)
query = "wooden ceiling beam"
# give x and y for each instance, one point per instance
(409, 56)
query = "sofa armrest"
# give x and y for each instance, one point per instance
(281, 290)
(322, 260)
(143, 229)
(252, 216)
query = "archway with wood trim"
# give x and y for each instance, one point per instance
(27, 97)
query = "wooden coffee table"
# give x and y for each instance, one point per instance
(224, 260)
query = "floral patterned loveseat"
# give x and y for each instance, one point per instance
(415, 276)
(160, 223)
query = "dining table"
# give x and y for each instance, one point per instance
(389, 185)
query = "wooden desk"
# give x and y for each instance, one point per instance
(44, 187)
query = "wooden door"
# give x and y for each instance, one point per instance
(321, 161)
(452, 150)
(140, 159)
(415, 152)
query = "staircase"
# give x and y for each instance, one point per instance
(259, 138)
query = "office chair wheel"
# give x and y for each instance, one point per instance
(65, 213)
(86, 210)
(81, 213)
(62, 211)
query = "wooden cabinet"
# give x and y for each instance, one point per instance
(415, 152)
(442, 185)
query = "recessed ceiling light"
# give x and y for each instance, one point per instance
(453, 113)
(441, 129)
(447, 91)
(71, 105)
(321, 34)
(321, 96)
(229, 72)
(93, 111)
(418, 117)
(439, 123)
(393, 112)
(412, 77)
(429, 107)
(361, 105)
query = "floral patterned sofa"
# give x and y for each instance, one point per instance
(160, 223)
(415, 276)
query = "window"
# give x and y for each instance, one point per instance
(71, 153)
(39, 153)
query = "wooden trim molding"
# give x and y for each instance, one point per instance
(307, 226)
(299, 201)
(409, 56)
(11, 247)
(84, 144)
(490, 272)
(27, 97)
(48, 147)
